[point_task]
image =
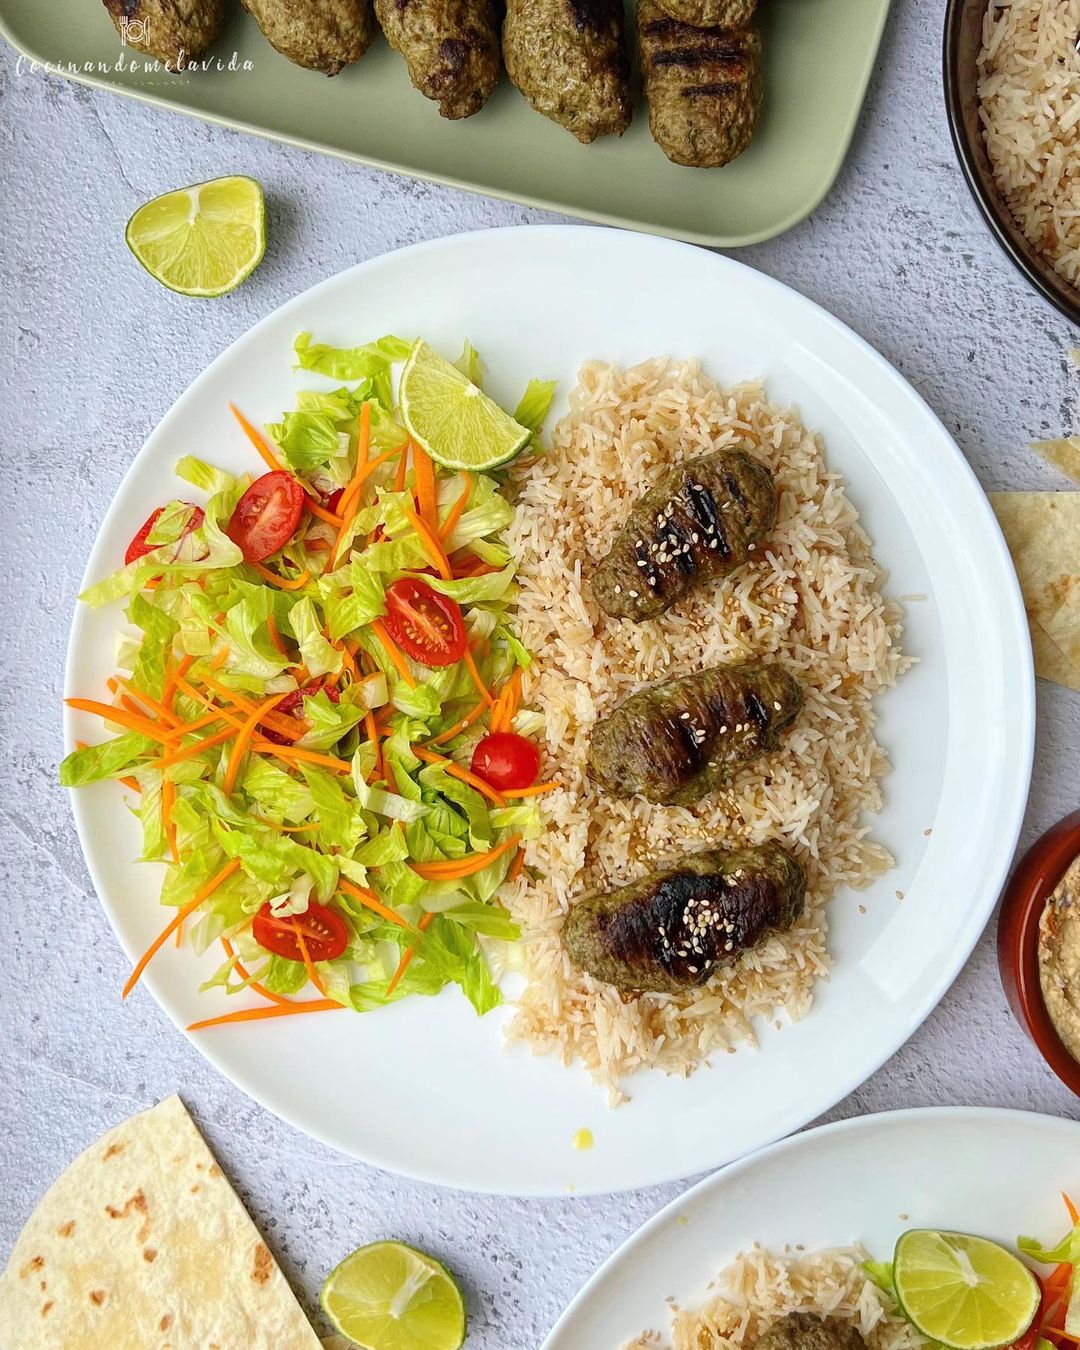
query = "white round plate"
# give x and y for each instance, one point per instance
(426, 1088)
(866, 1180)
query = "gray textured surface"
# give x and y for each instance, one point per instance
(93, 353)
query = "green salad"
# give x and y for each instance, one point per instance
(317, 710)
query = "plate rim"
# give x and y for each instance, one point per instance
(609, 219)
(1024, 715)
(791, 1143)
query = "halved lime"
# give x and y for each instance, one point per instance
(453, 420)
(202, 240)
(388, 1296)
(964, 1291)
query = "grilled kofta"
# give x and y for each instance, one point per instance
(805, 1331)
(451, 49)
(323, 35)
(171, 31)
(710, 13)
(669, 931)
(676, 742)
(568, 58)
(703, 86)
(702, 519)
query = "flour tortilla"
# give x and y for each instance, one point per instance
(143, 1245)
(1042, 530)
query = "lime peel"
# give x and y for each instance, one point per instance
(390, 1296)
(202, 240)
(963, 1291)
(452, 419)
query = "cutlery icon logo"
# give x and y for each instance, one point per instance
(134, 31)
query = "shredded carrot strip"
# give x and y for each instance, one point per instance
(477, 678)
(400, 664)
(516, 865)
(456, 511)
(506, 703)
(371, 901)
(243, 736)
(122, 716)
(275, 1010)
(168, 692)
(454, 868)
(203, 893)
(275, 635)
(309, 964)
(463, 775)
(291, 752)
(254, 984)
(402, 467)
(284, 726)
(350, 503)
(190, 751)
(323, 514)
(164, 714)
(534, 791)
(280, 582)
(424, 481)
(407, 956)
(432, 547)
(186, 728)
(258, 441)
(1074, 1214)
(473, 715)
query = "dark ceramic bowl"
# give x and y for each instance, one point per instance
(963, 38)
(1036, 876)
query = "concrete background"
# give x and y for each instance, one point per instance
(93, 352)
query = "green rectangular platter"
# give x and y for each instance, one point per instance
(819, 55)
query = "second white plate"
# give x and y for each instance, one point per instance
(996, 1173)
(426, 1088)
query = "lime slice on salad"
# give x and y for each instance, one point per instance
(388, 1296)
(202, 240)
(454, 421)
(963, 1291)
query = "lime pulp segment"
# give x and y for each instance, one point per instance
(202, 240)
(964, 1291)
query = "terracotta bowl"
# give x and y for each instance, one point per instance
(1036, 875)
(963, 39)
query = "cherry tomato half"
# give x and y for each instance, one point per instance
(425, 624)
(325, 933)
(266, 516)
(139, 548)
(292, 705)
(506, 761)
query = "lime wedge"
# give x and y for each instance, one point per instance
(391, 1297)
(202, 240)
(453, 420)
(966, 1292)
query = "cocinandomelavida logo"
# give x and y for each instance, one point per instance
(135, 57)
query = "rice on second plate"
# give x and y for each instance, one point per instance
(813, 601)
(760, 1287)
(1029, 107)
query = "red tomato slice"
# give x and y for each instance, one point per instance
(325, 933)
(292, 705)
(425, 624)
(334, 500)
(267, 515)
(506, 761)
(139, 548)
